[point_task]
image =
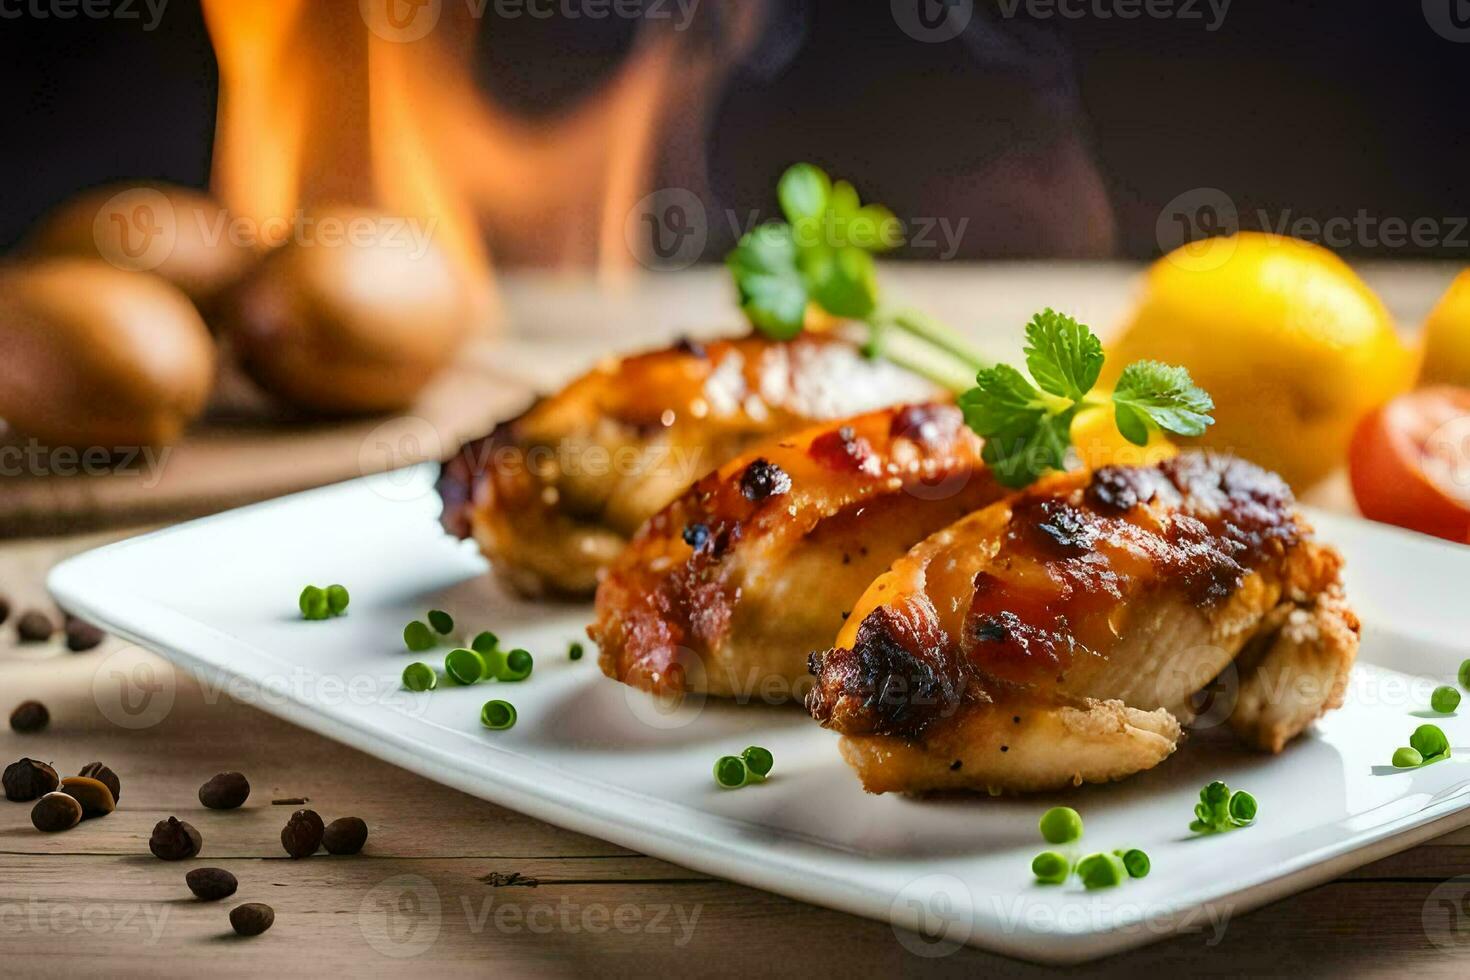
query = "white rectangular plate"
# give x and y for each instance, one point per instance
(218, 596)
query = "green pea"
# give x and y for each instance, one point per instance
(1101, 871)
(1061, 824)
(1445, 699)
(498, 715)
(313, 603)
(418, 637)
(731, 772)
(1406, 757)
(1465, 674)
(1051, 867)
(575, 651)
(465, 666)
(337, 599)
(485, 642)
(420, 677)
(512, 666)
(1430, 741)
(758, 760)
(1242, 807)
(442, 622)
(1136, 863)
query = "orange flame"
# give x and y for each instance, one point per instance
(317, 108)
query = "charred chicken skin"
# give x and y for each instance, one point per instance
(1057, 637)
(553, 495)
(728, 589)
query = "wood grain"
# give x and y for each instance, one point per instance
(429, 893)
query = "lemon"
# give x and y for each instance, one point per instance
(1447, 337)
(1099, 443)
(1291, 344)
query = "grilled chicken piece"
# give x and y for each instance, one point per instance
(553, 495)
(728, 589)
(1087, 611)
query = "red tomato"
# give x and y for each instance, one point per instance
(1410, 462)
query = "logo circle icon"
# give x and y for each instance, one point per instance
(932, 21)
(136, 230)
(1446, 915)
(667, 712)
(401, 21)
(933, 916)
(390, 452)
(667, 230)
(1188, 224)
(400, 916)
(134, 689)
(1450, 19)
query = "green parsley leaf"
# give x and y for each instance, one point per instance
(1162, 394)
(773, 293)
(803, 191)
(1018, 457)
(1064, 356)
(843, 281)
(1001, 401)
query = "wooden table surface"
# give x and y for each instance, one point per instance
(449, 884)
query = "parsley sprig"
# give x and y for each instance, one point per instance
(821, 257)
(1027, 424)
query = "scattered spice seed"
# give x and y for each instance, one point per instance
(174, 840)
(29, 716)
(762, 479)
(34, 626)
(302, 834)
(56, 812)
(28, 779)
(226, 791)
(82, 635)
(291, 801)
(346, 835)
(575, 651)
(252, 918)
(211, 884)
(94, 796)
(106, 776)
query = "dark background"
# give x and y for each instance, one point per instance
(1058, 137)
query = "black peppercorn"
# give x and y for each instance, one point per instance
(28, 779)
(82, 635)
(225, 791)
(55, 812)
(34, 626)
(29, 716)
(695, 535)
(174, 840)
(211, 884)
(252, 918)
(302, 834)
(345, 836)
(105, 776)
(762, 479)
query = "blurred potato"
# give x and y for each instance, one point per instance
(96, 356)
(353, 317)
(183, 235)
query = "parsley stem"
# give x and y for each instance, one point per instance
(941, 335)
(914, 354)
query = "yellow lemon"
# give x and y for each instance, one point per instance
(1099, 443)
(1447, 337)
(1291, 344)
